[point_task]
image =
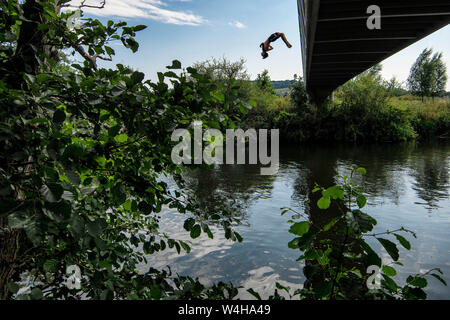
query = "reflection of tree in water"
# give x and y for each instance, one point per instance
(234, 186)
(385, 166)
(432, 174)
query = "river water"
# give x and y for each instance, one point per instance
(406, 185)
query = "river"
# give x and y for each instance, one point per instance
(406, 185)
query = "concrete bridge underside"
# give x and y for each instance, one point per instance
(337, 45)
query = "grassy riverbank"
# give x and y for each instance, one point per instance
(363, 110)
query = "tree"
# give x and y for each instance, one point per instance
(428, 75)
(395, 87)
(264, 83)
(230, 76)
(421, 75)
(440, 75)
(82, 150)
(366, 93)
(375, 70)
(298, 94)
(223, 70)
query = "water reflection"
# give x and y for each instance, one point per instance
(225, 185)
(406, 184)
(431, 176)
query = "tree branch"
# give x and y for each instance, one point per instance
(79, 48)
(84, 5)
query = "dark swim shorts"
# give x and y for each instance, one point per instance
(274, 37)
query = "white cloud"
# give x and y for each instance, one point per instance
(237, 24)
(151, 9)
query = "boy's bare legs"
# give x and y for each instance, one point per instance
(285, 40)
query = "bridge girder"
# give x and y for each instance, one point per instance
(337, 45)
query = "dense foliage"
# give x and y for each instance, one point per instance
(84, 151)
(365, 109)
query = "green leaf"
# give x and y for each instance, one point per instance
(132, 44)
(330, 224)
(281, 287)
(305, 241)
(121, 138)
(127, 205)
(206, 229)
(59, 116)
(324, 203)
(51, 192)
(357, 273)
(361, 201)
(196, 231)
(389, 271)
(389, 283)
(137, 77)
(359, 221)
(417, 281)
(323, 259)
(170, 74)
(300, 228)
(372, 256)
(238, 237)
(335, 192)
(177, 246)
(405, 243)
(73, 177)
(116, 91)
(13, 287)
(175, 65)
(188, 224)
(51, 265)
(254, 293)
(155, 292)
(361, 170)
(243, 109)
(77, 225)
(439, 278)
(58, 211)
(94, 228)
(185, 246)
(33, 232)
(219, 96)
(17, 220)
(73, 151)
(390, 247)
(139, 27)
(110, 51)
(293, 244)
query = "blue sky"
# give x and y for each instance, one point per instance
(195, 30)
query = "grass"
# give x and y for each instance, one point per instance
(397, 119)
(430, 109)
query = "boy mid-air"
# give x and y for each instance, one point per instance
(265, 46)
